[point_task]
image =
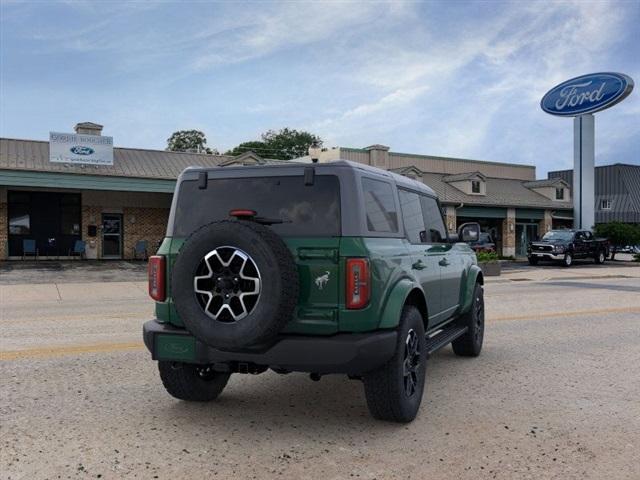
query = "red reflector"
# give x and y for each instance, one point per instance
(358, 291)
(156, 277)
(239, 212)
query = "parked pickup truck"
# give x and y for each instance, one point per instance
(566, 245)
(483, 244)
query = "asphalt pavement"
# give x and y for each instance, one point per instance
(553, 395)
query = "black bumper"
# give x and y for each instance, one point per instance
(351, 353)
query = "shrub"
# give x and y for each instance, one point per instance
(485, 257)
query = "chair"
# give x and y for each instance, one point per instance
(140, 249)
(79, 248)
(29, 248)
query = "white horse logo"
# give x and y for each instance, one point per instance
(322, 280)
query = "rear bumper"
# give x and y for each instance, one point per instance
(350, 353)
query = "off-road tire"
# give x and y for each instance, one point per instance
(567, 261)
(385, 387)
(600, 257)
(470, 344)
(532, 260)
(279, 284)
(193, 383)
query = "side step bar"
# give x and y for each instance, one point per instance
(444, 338)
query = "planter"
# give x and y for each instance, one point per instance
(490, 269)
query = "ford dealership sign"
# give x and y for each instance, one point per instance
(587, 94)
(80, 149)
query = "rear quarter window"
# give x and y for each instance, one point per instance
(380, 206)
(305, 210)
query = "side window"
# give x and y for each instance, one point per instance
(436, 232)
(412, 217)
(380, 206)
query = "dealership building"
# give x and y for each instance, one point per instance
(121, 199)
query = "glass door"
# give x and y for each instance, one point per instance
(111, 235)
(525, 233)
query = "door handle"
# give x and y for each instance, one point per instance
(444, 262)
(418, 265)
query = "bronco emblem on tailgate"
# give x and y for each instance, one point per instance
(322, 280)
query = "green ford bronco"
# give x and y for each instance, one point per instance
(318, 268)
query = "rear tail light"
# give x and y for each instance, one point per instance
(157, 265)
(358, 285)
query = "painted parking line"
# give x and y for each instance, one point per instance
(572, 313)
(47, 352)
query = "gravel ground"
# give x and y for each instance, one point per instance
(553, 395)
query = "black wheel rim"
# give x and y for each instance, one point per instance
(478, 310)
(411, 363)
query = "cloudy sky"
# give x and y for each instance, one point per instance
(450, 78)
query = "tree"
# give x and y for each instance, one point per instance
(284, 144)
(258, 147)
(619, 234)
(188, 141)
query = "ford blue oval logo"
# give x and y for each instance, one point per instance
(79, 150)
(587, 94)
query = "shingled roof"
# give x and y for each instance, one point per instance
(33, 155)
(459, 177)
(499, 192)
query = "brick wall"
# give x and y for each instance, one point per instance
(545, 224)
(148, 224)
(92, 215)
(509, 233)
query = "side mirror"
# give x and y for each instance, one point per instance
(469, 232)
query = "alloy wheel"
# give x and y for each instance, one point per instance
(227, 284)
(411, 363)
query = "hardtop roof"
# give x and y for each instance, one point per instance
(250, 170)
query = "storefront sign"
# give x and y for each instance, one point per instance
(587, 94)
(85, 149)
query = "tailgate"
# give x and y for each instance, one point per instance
(320, 280)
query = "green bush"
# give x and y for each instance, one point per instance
(485, 257)
(619, 234)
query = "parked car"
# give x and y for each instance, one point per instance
(564, 246)
(328, 268)
(483, 244)
(629, 249)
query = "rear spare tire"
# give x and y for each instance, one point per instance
(234, 284)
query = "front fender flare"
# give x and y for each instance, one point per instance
(474, 275)
(396, 299)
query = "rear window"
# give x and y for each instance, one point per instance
(306, 210)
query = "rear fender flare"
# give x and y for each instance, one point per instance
(396, 300)
(474, 275)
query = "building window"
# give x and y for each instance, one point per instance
(475, 186)
(19, 213)
(560, 193)
(605, 204)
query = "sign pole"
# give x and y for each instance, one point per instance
(579, 98)
(583, 171)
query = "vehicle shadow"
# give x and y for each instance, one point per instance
(292, 403)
